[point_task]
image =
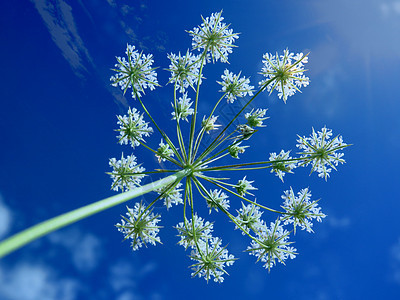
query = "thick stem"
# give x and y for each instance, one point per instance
(28, 235)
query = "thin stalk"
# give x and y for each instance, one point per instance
(28, 235)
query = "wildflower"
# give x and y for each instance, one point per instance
(243, 186)
(321, 152)
(214, 37)
(300, 210)
(183, 109)
(132, 128)
(286, 73)
(209, 124)
(217, 199)
(245, 131)
(135, 73)
(123, 175)
(235, 149)
(211, 259)
(271, 245)
(164, 151)
(171, 195)
(249, 218)
(192, 233)
(234, 86)
(184, 70)
(140, 226)
(255, 119)
(280, 163)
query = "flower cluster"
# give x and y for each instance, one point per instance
(234, 86)
(125, 173)
(182, 109)
(282, 163)
(140, 226)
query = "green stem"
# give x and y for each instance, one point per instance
(28, 235)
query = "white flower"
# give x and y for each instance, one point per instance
(123, 175)
(234, 149)
(132, 128)
(192, 233)
(209, 124)
(243, 186)
(211, 260)
(135, 73)
(285, 73)
(234, 86)
(256, 118)
(300, 211)
(279, 166)
(183, 109)
(217, 199)
(164, 151)
(214, 37)
(321, 151)
(140, 226)
(184, 70)
(245, 131)
(172, 196)
(271, 245)
(249, 217)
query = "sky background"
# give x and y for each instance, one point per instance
(57, 121)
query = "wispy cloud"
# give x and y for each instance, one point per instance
(395, 261)
(57, 16)
(5, 218)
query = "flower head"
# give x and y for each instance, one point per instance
(135, 73)
(192, 232)
(209, 124)
(243, 186)
(214, 37)
(279, 164)
(271, 245)
(124, 174)
(249, 218)
(256, 118)
(235, 149)
(140, 226)
(182, 110)
(217, 199)
(234, 86)
(184, 70)
(132, 128)
(164, 151)
(211, 259)
(171, 195)
(245, 131)
(300, 211)
(285, 73)
(321, 151)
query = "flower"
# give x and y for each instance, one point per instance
(243, 186)
(235, 149)
(209, 124)
(211, 259)
(123, 175)
(214, 37)
(321, 152)
(132, 128)
(280, 165)
(249, 217)
(300, 211)
(135, 73)
(271, 245)
(255, 119)
(245, 131)
(182, 109)
(285, 73)
(140, 226)
(191, 233)
(184, 70)
(234, 86)
(164, 151)
(217, 199)
(171, 195)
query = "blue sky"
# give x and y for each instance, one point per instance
(57, 121)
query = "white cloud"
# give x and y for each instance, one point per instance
(395, 261)
(343, 222)
(85, 248)
(57, 15)
(5, 218)
(32, 282)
